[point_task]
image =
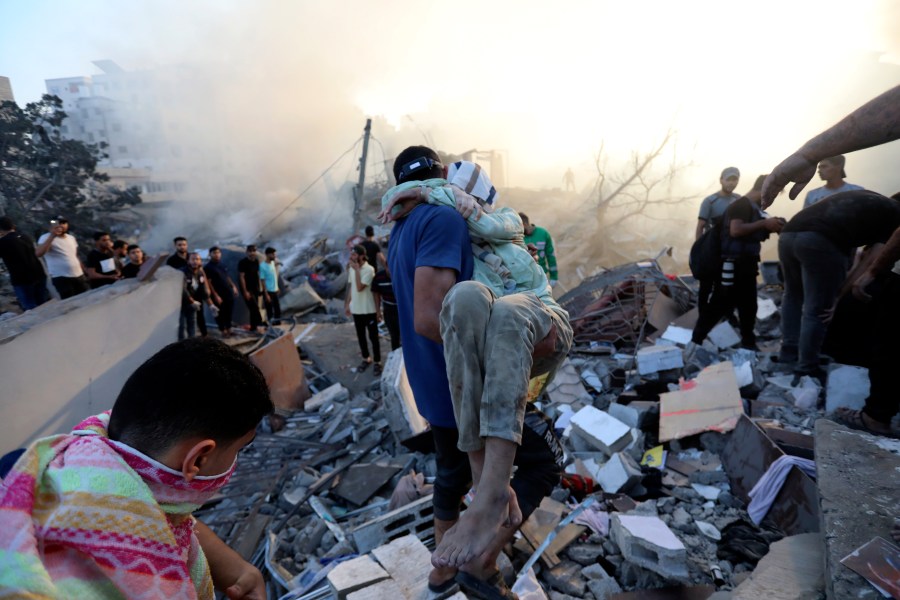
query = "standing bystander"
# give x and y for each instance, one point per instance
(831, 171)
(194, 294)
(135, 261)
(359, 304)
(25, 270)
(268, 272)
(546, 254)
(222, 288)
(101, 266)
(248, 276)
(59, 249)
(179, 260)
(386, 305)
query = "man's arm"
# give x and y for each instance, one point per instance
(430, 286)
(243, 282)
(883, 261)
(44, 246)
(230, 573)
(875, 122)
(738, 228)
(701, 225)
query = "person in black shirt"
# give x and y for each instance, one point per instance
(386, 305)
(373, 250)
(25, 270)
(179, 260)
(135, 260)
(744, 228)
(248, 276)
(223, 289)
(815, 249)
(194, 294)
(101, 266)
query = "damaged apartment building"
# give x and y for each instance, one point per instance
(716, 477)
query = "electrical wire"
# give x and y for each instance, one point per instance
(307, 188)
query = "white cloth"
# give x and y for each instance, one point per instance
(766, 489)
(62, 257)
(362, 303)
(470, 178)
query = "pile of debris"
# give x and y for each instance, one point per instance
(662, 486)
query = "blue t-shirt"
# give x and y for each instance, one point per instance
(268, 275)
(430, 236)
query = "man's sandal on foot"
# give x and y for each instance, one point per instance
(492, 588)
(854, 420)
(443, 588)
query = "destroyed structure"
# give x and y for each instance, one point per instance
(672, 486)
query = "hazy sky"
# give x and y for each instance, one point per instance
(743, 83)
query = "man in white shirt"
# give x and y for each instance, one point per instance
(831, 171)
(60, 251)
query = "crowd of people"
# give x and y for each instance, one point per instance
(482, 334)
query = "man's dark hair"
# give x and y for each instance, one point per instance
(99, 234)
(411, 154)
(524, 218)
(271, 250)
(6, 224)
(196, 388)
(120, 244)
(370, 231)
(179, 239)
(251, 247)
(133, 247)
(213, 249)
(757, 185)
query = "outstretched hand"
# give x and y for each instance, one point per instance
(796, 168)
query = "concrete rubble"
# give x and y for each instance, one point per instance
(310, 503)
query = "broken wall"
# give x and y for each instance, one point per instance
(66, 360)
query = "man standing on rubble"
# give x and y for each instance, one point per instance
(179, 260)
(876, 122)
(248, 277)
(430, 252)
(546, 254)
(744, 228)
(711, 211)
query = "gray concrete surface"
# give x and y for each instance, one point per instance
(68, 359)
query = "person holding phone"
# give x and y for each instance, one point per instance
(59, 249)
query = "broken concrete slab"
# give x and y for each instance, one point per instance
(635, 413)
(652, 359)
(677, 335)
(355, 574)
(600, 583)
(379, 591)
(724, 336)
(711, 402)
(600, 429)
(649, 543)
(619, 474)
(858, 475)
(360, 482)
(848, 386)
(792, 570)
(408, 562)
(399, 402)
(280, 364)
(330, 395)
(417, 517)
(300, 298)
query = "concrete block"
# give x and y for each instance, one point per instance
(355, 574)
(400, 404)
(847, 386)
(600, 583)
(647, 542)
(379, 591)
(603, 431)
(635, 413)
(408, 562)
(334, 393)
(416, 517)
(653, 359)
(724, 336)
(678, 335)
(618, 474)
(792, 570)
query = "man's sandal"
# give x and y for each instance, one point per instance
(854, 420)
(492, 588)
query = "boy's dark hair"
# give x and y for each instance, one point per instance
(120, 244)
(133, 247)
(213, 249)
(251, 247)
(99, 234)
(524, 218)
(271, 250)
(411, 154)
(6, 224)
(370, 231)
(193, 388)
(180, 238)
(360, 249)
